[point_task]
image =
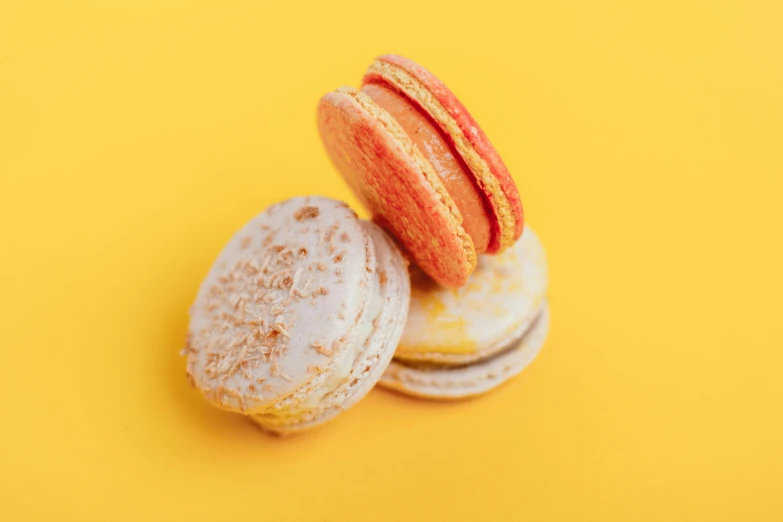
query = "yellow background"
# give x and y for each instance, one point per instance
(646, 142)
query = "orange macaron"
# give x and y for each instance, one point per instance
(423, 168)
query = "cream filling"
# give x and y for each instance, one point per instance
(507, 347)
(342, 368)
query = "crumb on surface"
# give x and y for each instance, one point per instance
(330, 237)
(306, 213)
(320, 348)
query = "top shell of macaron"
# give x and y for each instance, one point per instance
(279, 304)
(503, 296)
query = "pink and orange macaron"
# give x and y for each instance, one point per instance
(423, 168)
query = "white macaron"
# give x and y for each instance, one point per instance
(465, 341)
(299, 315)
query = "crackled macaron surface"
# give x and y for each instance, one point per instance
(438, 381)
(497, 306)
(286, 324)
(419, 162)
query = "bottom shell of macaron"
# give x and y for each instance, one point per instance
(437, 381)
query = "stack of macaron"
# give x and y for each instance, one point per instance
(306, 306)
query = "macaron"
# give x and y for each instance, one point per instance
(423, 167)
(299, 315)
(466, 341)
(460, 382)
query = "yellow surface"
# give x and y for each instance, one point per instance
(646, 138)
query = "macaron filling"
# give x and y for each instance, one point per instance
(461, 381)
(436, 147)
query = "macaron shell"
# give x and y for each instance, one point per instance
(436, 147)
(397, 185)
(459, 382)
(461, 359)
(393, 282)
(280, 299)
(497, 305)
(422, 87)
